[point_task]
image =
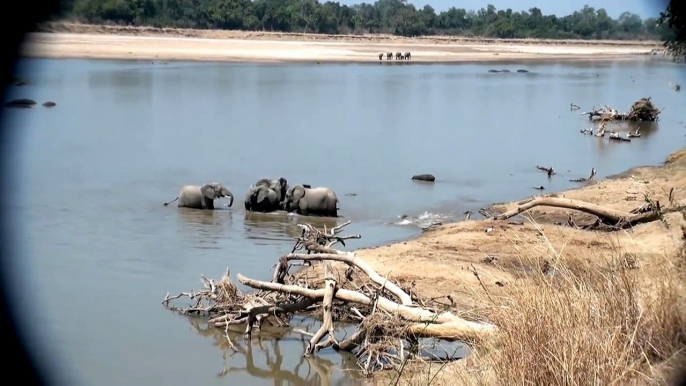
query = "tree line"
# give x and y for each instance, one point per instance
(384, 16)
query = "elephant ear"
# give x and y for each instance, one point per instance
(208, 190)
(262, 195)
(298, 193)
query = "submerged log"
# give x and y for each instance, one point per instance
(21, 103)
(424, 177)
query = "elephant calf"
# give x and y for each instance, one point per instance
(201, 197)
(266, 195)
(312, 201)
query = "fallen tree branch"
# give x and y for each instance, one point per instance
(327, 322)
(468, 331)
(387, 316)
(353, 261)
(607, 216)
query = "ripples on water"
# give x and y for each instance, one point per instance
(101, 250)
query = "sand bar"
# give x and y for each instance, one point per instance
(101, 42)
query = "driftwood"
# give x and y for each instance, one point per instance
(635, 134)
(641, 110)
(617, 219)
(387, 317)
(615, 136)
(584, 179)
(550, 170)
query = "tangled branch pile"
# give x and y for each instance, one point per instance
(389, 321)
(641, 110)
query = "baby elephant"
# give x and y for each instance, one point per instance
(201, 197)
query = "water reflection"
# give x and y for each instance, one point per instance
(206, 227)
(281, 225)
(266, 347)
(127, 86)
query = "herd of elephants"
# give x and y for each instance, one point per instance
(398, 56)
(266, 195)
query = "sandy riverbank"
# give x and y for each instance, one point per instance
(63, 40)
(557, 290)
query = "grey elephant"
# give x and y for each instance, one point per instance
(319, 201)
(279, 186)
(266, 195)
(201, 197)
(261, 199)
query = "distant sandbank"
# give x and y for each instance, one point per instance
(66, 40)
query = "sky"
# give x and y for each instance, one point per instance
(644, 8)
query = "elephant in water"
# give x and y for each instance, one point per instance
(201, 197)
(312, 201)
(266, 195)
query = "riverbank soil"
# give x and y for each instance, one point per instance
(69, 40)
(574, 306)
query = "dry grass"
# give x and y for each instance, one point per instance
(568, 319)
(581, 323)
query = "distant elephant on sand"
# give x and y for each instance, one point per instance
(389, 55)
(408, 56)
(398, 56)
(201, 197)
(381, 56)
(266, 195)
(312, 201)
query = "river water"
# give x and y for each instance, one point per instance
(96, 250)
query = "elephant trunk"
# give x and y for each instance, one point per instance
(230, 195)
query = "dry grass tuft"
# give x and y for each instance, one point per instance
(579, 322)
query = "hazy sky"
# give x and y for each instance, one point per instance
(645, 8)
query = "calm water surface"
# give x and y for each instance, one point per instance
(100, 251)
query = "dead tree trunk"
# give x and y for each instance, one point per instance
(607, 216)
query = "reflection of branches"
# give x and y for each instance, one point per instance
(320, 371)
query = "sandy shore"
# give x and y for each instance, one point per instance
(107, 42)
(439, 259)
(440, 264)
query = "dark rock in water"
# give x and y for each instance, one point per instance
(522, 70)
(49, 104)
(424, 177)
(403, 217)
(504, 70)
(21, 103)
(493, 71)
(18, 82)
